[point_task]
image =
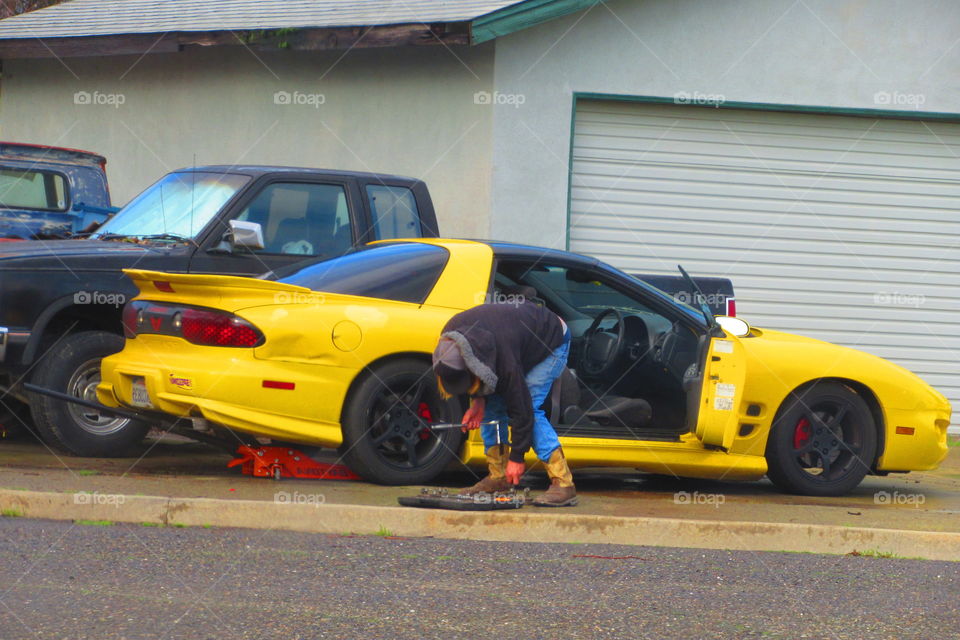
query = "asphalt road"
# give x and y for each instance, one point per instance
(78, 581)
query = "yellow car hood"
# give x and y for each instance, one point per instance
(794, 360)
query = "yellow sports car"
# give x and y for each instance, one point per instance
(337, 354)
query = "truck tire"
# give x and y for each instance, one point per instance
(72, 365)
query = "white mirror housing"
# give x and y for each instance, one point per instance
(246, 235)
(734, 326)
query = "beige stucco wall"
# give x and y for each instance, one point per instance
(409, 111)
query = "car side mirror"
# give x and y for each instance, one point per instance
(245, 235)
(734, 326)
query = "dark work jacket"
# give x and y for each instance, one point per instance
(500, 344)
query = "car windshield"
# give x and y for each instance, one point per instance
(179, 205)
(405, 272)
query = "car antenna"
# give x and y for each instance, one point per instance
(193, 184)
(701, 299)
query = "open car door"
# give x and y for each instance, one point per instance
(721, 392)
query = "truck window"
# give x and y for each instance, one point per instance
(302, 219)
(394, 210)
(41, 190)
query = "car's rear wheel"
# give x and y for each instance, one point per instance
(823, 441)
(386, 435)
(72, 366)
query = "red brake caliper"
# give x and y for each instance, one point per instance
(801, 434)
(423, 411)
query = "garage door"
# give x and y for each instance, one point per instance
(841, 228)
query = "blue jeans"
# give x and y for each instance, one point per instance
(539, 380)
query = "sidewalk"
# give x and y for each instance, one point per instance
(913, 515)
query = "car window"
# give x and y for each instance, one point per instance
(395, 213)
(22, 189)
(585, 291)
(406, 272)
(302, 219)
(576, 294)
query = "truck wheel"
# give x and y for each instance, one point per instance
(72, 366)
(385, 434)
(823, 442)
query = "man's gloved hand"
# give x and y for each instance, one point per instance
(515, 471)
(474, 414)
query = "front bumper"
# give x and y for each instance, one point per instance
(920, 450)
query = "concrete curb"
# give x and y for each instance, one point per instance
(527, 525)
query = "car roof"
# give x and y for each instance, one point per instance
(46, 153)
(257, 170)
(503, 249)
(507, 250)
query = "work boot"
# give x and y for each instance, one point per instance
(561, 493)
(497, 456)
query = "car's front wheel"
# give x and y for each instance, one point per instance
(823, 441)
(72, 366)
(386, 434)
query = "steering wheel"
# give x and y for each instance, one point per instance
(603, 349)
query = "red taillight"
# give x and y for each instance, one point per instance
(129, 321)
(208, 327)
(731, 307)
(218, 329)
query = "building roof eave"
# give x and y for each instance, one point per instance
(523, 15)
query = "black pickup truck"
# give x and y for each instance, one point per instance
(61, 300)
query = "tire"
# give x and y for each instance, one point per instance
(72, 366)
(385, 418)
(827, 422)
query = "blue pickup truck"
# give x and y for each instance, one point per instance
(50, 192)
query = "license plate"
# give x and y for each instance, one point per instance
(140, 396)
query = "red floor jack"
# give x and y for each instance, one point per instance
(284, 462)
